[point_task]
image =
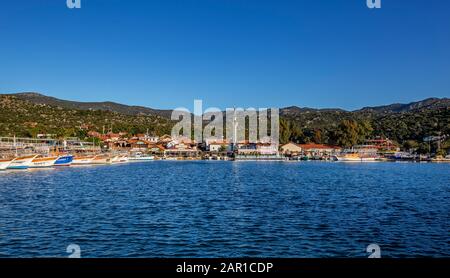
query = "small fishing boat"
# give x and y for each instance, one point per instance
(43, 162)
(22, 162)
(83, 160)
(4, 163)
(65, 160)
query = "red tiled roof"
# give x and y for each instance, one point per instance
(316, 146)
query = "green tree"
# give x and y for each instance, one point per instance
(410, 145)
(318, 136)
(347, 134)
(285, 132)
(365, 130)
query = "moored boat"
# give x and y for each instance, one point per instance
(140, 157)
(355, 157)
(43, 162)
(115, 159)
(4, 163)
(441, 159)
(119, 159)
(83, 160)
(123, 159)
(65, 160)
(22, 162)
(101, 159)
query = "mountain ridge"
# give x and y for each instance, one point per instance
(132, 110)
(38, 98)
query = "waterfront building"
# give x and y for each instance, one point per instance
(366, 149)
(138, 145)
(267, 149)
(291, 149)
(146, 137)
(156, 149)
(182, 150)
(319, 150)
(383, 144)
(218, 145)
(257, 151)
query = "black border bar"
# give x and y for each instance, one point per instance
(362, 267)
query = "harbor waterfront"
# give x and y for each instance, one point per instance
(227, 209)
(28, 153)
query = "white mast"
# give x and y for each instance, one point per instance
(15, 144)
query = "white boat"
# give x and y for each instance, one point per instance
(83, 160)
(119, 159)
(124, 159)
(355, 157)
(441, 159)
(4, 163)
(140, 157)
(22, 162)
(43, 162)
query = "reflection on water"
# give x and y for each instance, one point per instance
(226, 209)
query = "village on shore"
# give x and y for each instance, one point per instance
(110, 148)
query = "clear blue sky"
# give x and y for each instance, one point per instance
(165, 54)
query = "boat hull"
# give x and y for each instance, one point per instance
(82, 160)
(64, 160)
(142, 158)
(5, 163)
(21, 163)
(119, 159)
(356, 159)
(45, 162)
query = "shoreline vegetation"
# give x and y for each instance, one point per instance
(32, 123)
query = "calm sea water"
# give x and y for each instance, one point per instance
(227, 209)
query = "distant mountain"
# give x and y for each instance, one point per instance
(104, 106)
(295, 110)
(429, 103)
(291, 111)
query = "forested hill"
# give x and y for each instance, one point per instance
(27, 118)
(406, 124)
(27, 114)
(105, 105)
